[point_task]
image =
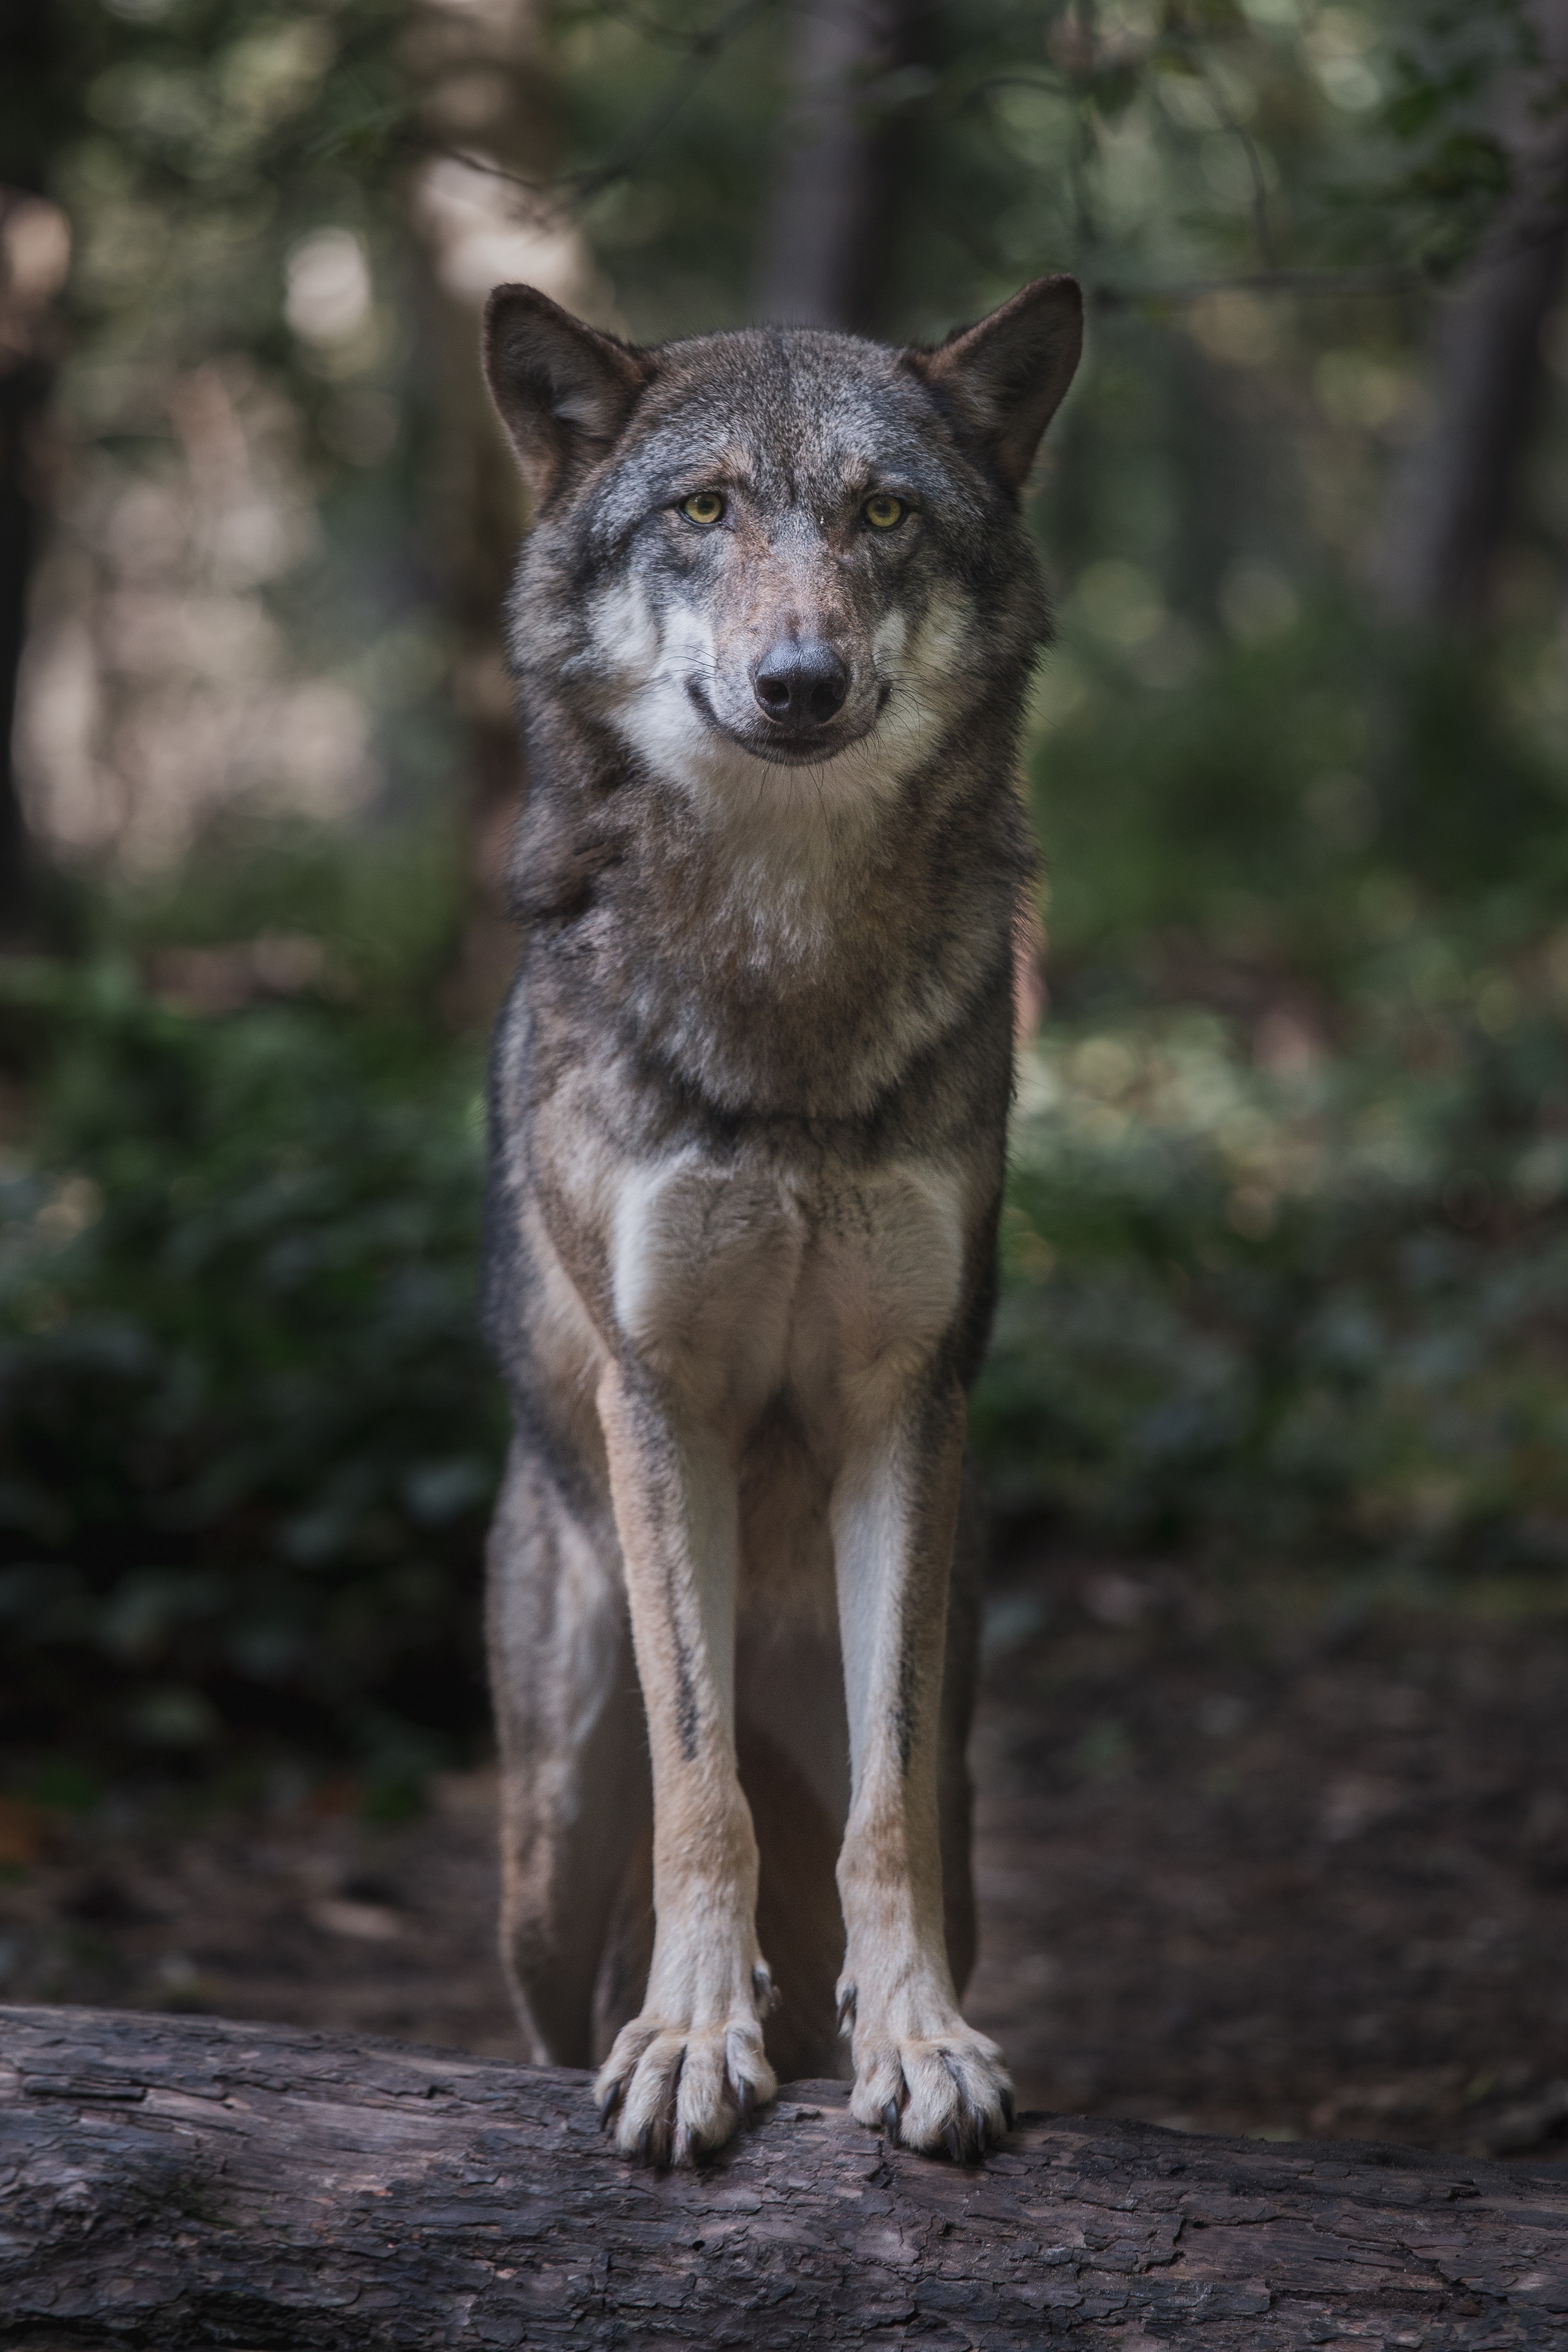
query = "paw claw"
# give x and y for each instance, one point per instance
(1009, 2109)
(677, 2091)
(847, 1999)
(934, 2091)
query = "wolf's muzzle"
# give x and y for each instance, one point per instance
(801, 684)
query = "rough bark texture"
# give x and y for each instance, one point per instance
(176, 2182)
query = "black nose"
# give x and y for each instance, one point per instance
(801, 683)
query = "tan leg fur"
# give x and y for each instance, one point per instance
(682, 2072)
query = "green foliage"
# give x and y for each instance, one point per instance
(1444, 64)
(1315, 1318)
(1145, 147)
(1284, 1261)
(248, 412)
(376, 917)
(193, 141)
(248, 1436)
(663, 131)
(1303, 798)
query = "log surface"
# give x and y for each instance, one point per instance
(181, 2182)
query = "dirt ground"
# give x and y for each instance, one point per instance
(1300, 1877)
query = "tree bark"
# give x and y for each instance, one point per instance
(1450, 500)
(825, 242)
(173, 2182)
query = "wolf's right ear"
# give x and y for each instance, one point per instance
(1004, 380)
(563, 390)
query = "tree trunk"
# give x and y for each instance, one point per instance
(474, 229)
(171, 2182)
(29, 58)
(24, 392)
(826, 239)
(1450, 502)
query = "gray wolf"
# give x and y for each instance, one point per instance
(772, 630)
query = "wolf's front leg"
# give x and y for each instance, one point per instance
(683, 2073)
(920, 2073)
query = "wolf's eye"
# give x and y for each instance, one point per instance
(703, 506)
(883, 511)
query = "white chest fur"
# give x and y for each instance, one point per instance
(743, 1285)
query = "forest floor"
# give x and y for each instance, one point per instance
(1294, 1873)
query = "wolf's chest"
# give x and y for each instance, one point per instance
(746, 1285)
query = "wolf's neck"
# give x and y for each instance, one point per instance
(801, 956)
(786, 884)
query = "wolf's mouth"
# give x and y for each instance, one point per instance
(781, 746)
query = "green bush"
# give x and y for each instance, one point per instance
(1315, 1314)
(247, 1433)
(1301, 806)
(1284, 1267)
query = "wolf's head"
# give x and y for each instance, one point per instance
(781, 546)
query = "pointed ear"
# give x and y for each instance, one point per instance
(564, 391)
(1004, 380)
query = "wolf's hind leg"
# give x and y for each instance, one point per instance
(575, 1792)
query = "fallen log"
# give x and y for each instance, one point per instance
(179, 2182)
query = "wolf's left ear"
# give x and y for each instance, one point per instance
(563, 390)
(1004, 380)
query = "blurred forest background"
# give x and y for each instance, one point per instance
(1286, 1272)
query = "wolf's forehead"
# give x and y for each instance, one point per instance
(790, 413)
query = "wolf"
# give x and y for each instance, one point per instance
(772, 631)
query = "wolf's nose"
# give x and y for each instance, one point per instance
(801, 684)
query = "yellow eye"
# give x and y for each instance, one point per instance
(703, 506)
(883, 511)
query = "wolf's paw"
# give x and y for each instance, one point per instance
(672, 2092)
(942, 2091)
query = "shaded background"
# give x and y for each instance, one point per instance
(1275, 1755)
